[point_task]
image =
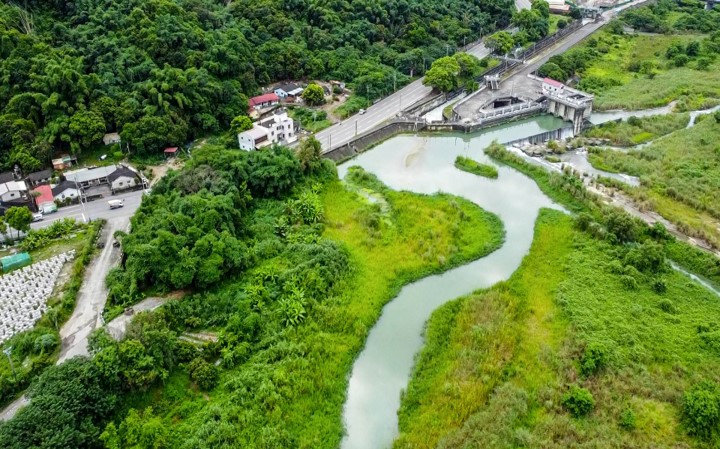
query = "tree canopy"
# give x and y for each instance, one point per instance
(161, 72)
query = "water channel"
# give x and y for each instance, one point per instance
(425, 164)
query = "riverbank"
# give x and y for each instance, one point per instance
(498, 364)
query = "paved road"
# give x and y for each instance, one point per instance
(92, 296)
(95, 209)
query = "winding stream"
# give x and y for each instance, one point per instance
(425, 164)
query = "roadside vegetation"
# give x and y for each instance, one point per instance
(35, 350)
(638, 130)
(310, 119)
(476, 168)
(287, 266)
(679, 175)
(629, 71)
(593, 341)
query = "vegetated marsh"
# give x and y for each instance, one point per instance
(476, 168)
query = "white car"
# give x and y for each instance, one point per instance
(361, 111)
(37, 217)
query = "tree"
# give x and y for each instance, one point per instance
(241, 123)
(313, 95)
(87, 127)
(309, 154)
(501, 42)
(19, 218)
(3, 226)
(443, 74)
(204, 374)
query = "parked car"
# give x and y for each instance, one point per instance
(37, 217)
(361, 111)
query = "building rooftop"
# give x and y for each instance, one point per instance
(12, 186)
(46, 195)
(257, 132)
(63, 186)
(40, 175)
(89, 174)
(120, 172)
(6, 177)
(254, 101)
(553, 83)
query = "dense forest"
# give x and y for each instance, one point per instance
(161, 72)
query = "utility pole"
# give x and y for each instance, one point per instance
(394, 81)
(356, 127)
(7, 352)
(447, 49)
(80, 195)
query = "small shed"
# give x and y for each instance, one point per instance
(15, 261)
(171, 151)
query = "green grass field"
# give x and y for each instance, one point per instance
(638, 130)
(498, 362)
(627, 85)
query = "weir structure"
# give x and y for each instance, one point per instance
(567, 103)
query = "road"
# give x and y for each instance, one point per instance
(94, 210)
(92, 296)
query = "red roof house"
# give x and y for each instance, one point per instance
(263, 101)
(45, 195)
(171, 151)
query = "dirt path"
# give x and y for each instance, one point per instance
(92, 296)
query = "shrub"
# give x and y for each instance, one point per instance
(204, 374)
(593, 359)
(667, 306)
(701, 412)
(627, 419)
(578, 401)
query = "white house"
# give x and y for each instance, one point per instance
(66, 190)
(254, 138)
(277, 128)
(550, 86)
(123, 178)
(13, 191)
(288, 91)
(282, 128)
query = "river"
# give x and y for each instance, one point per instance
(425, 164)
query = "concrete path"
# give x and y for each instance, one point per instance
(118, 326)
(91, 299)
